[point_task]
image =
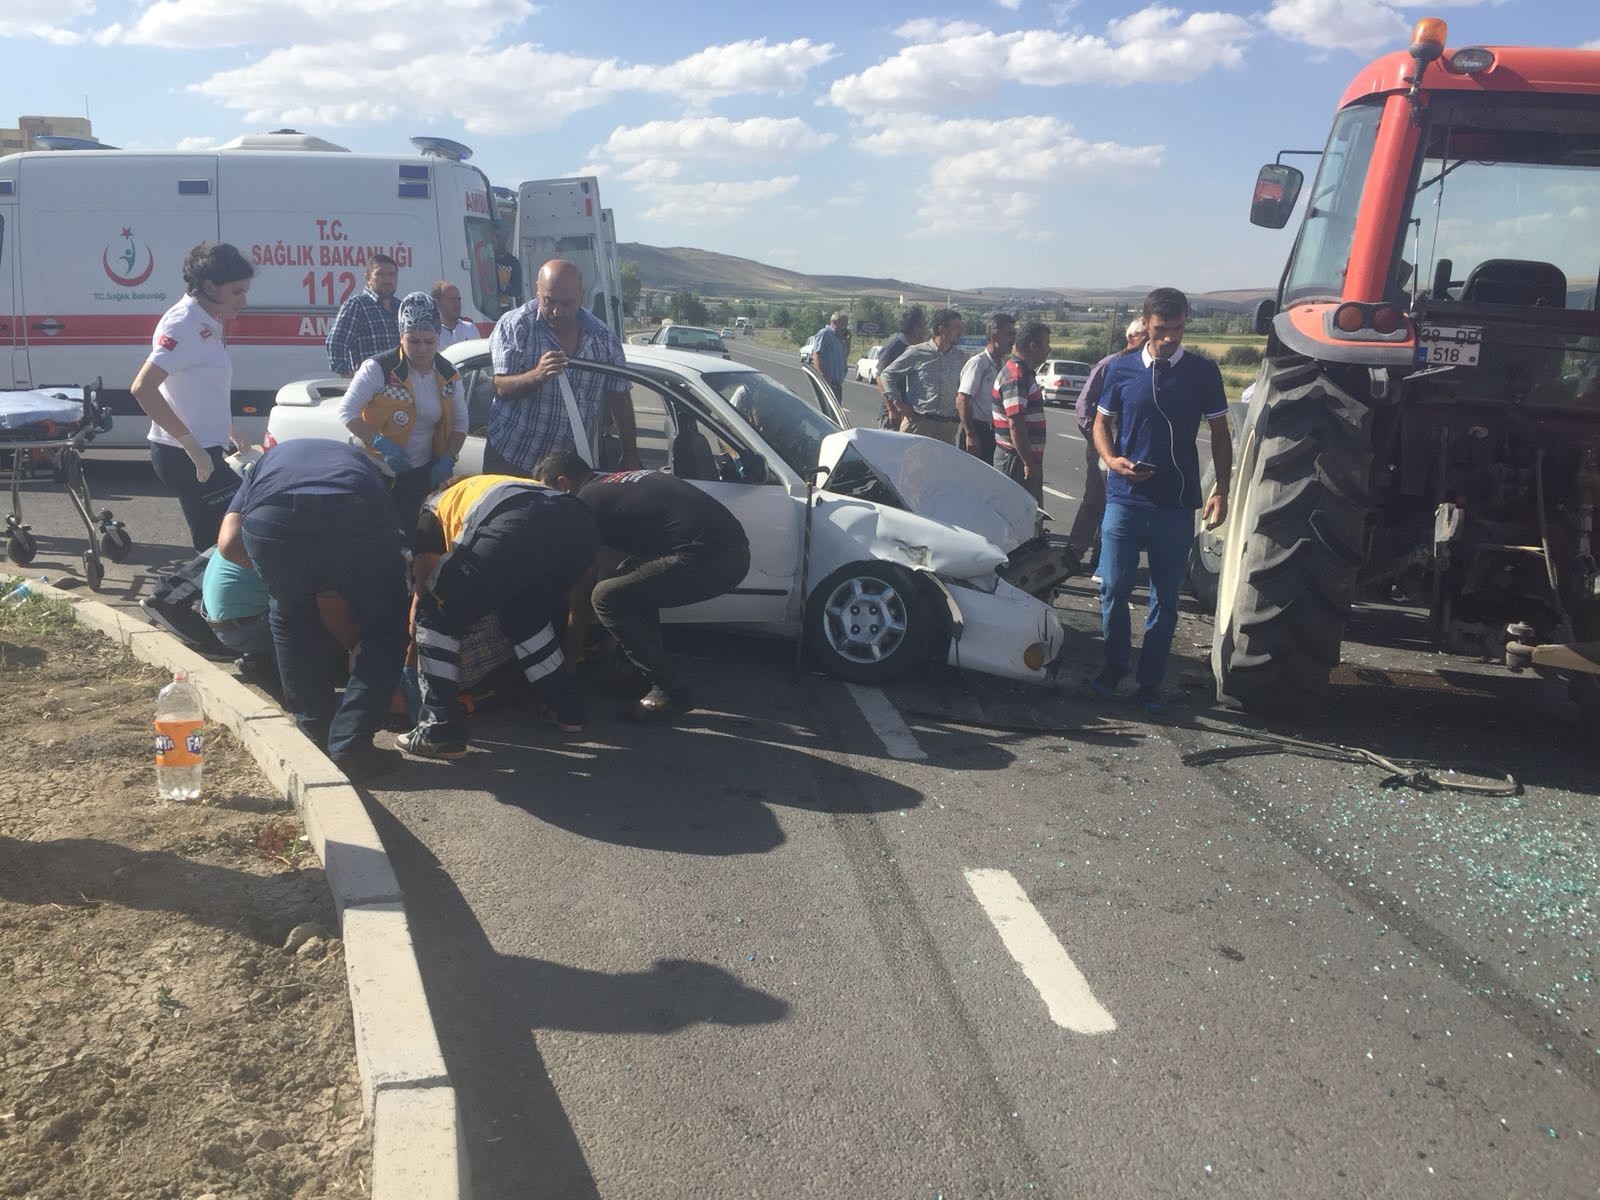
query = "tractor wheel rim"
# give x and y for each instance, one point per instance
(864, 620)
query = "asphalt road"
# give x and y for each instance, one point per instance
(959, 938)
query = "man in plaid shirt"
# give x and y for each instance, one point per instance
(530, 348)
(1019, 410)
(367, 325)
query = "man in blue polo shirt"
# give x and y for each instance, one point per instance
(1149, 412)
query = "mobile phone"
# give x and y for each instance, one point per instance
(1145, 466)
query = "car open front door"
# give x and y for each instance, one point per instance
(681, 430)
(823, 399)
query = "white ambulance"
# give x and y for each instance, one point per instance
(92, 244)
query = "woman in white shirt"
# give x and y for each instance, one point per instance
(408, 408)
(184, 388)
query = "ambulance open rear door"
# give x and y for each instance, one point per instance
(560, 218)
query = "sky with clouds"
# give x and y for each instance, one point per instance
(1035, 143)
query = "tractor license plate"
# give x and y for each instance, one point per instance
(1449, 346)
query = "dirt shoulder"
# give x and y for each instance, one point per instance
(159, 1041)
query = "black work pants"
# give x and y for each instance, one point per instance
(629, 605)
(203, 504)
(520, 564)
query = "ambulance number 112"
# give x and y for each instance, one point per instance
(347, 286)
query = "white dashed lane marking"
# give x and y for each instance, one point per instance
(1058, 495)
(1039, 953)
(885, 720)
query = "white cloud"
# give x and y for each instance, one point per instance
(193, 145)
(200, 24)
(1158, 44)
(330, 85)
(651, 170)
(712, 202)
(1594, 45)
(44, 19)
(1358, 25)
(1011, 5)
(713, 139)
(749, 66)
(932, 29)
(991, 174)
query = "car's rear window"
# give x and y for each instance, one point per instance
(700, 338)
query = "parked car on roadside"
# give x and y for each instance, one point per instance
(1061, 379)
(686, 337)
(808, 348)
(867, 365)
(912, 543)
(727, 331)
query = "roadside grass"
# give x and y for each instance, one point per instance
(33, 615)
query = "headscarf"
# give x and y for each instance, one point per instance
(418, 312)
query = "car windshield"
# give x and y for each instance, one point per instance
(1075, 368)
(785, 422)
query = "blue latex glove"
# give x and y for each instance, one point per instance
(441, 469)
(392, 454)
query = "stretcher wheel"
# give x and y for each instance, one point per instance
(93, 572)
(20, 547)
(116, 545)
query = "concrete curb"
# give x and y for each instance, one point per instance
(417, 1147)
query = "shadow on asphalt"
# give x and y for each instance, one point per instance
(488, 1008)
(610, 784)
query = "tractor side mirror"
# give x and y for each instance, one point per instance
(1265, 311)
(1277, 189)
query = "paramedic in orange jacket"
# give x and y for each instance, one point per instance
(408, 408)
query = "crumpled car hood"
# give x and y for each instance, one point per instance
(942, 483)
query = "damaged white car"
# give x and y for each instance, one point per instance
(916, 550)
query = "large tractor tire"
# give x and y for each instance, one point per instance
(1294, 539)
(1205, 552)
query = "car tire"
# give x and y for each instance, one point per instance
(869, 622)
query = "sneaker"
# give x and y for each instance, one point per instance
(1149, 699)
(560, 697)
(1104, 684)
(417, 744)
(662, 705)
(369, 764)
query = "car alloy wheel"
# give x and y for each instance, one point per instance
(865, 620)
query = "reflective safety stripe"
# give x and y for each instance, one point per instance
(533, 672)
(539, 655)
(438, 654)
(531, 647)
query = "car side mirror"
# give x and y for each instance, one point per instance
(1277, 189)
(1266, 310)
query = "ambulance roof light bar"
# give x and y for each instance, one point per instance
(438, 147)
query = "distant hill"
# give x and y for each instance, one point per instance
(708, 273)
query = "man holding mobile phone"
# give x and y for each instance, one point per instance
(1145, 426)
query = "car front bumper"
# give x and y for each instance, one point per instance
(1006, 633)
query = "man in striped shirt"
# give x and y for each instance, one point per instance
(1019, 410)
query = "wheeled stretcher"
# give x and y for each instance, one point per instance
(42, 434)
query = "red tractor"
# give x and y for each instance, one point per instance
(1426, 423)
